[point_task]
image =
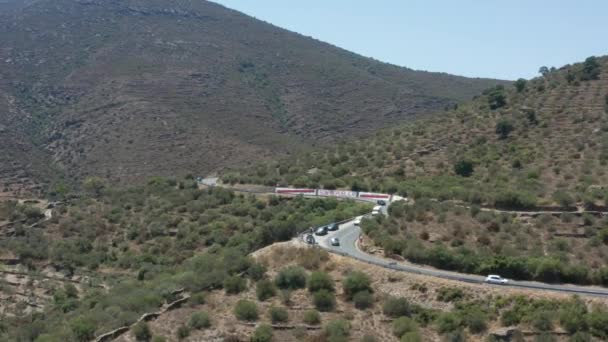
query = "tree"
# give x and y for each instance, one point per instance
(291, 277)
(363, 300)
(94, 186)
(263, 333)
(278, 315)
(496, 97)
(520, 85)
(199, 320)
(464, 168)
(83, 329)
(543, 70)
(142, 332)
(403, 325)
(356, 282)
(235, 284)
(312, 317)
(396, 307)
(504, 128)
(337, 330)
(265, 289)
(591, 69)
(246, 310)
(324, 300)
(320, 280)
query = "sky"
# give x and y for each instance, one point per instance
(475, 38)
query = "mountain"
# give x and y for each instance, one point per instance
(128, 89)
(542, 142)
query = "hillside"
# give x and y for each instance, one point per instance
(544, 144)
(130, 89)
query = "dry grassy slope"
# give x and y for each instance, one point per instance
(133, 88)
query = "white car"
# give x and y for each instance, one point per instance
(335, 241)
(496, 279)
(358, 220)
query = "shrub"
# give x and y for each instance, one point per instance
(235, 284)
(450, 294)
(292, 277)
(265, 289)
(542, 321)
(448, 322)
(142, 332)
(413, 336)
(312, 317)
(320, 281)
(504, 128)
(197, 298)
(368, 338)
(403, 325)
(83, 329)
(158, 338)
(263, 333)
(464, 168)
(183, 331)
(363, 300)
(356, 282)
(256, 271)
(475, 319)
(324, 300)
(520, 85)
(337, 330)
(199, 320)
(278, 315)
(246, 310)
(496, 97)
(397, 307)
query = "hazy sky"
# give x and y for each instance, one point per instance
(485, 38)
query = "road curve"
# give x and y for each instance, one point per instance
(348, 234)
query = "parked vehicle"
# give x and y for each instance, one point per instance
(375, 212)
(332, 227)
(358, 220)
(381, 202)
(321, 231)
(496, 279)
(310, 239)
(377, 208)
(335, 241)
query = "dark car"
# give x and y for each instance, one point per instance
(310, 239)
(321, 231)
(332, 227)
(381, 202)
(335, 241)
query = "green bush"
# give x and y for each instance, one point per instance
(183, 331)
(520, 85)
(450, 294)
(542, 321)
(337, 330)
(363, 300)
(278, 315)
(83, 329)
(504, 128)
(158, 338)
(464, 168)
(199, 320)
(403, 325)
(320, 281)
(324, 300)
(235, 284)
(312, 317)
(142, 332)
(413, 336)
(263, 333)
(291, 277)
(356, 282)
(265, 289)
(246, 310)
(397, 307)
(448, 322)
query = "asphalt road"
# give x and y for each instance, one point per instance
(348, 234)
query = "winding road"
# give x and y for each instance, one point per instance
(348, 234)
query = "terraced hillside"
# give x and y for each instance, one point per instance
(545, 143)
(130, 89)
